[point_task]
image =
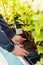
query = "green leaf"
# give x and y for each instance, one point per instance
(24, 28)
(20, 21)
(40, 62)
(39, 49)
(37, 28)
(41, 20)
(37, 37)
(30, 28)
(35, 17)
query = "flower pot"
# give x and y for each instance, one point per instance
(29, 44)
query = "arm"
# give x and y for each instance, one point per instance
(8, 45)
(9, 32)
(5, 42)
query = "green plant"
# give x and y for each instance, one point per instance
(32, 21)
(7, 10)
(40, 62)
(38, 31)
(26, 14)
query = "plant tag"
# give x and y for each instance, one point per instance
(19, 31)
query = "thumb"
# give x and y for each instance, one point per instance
(21, 46)
(24, 39)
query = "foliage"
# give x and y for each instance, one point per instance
(31, 21)
(38, 32)
(40, 49)
(40, 63)
(26, 14)
(7, 10)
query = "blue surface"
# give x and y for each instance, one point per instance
(10, 58)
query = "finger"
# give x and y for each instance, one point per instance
(23, 54)
(25, 51)
(23, 39)
(21, 46)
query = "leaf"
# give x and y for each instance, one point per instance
(20, 21)
(37, 28)
(41, 20)
(35, 17)
(39, 49)
(24, 28)
(40, 62)
(30, 28)
(37, 37)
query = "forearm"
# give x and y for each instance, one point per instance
(5, 42)
(9, 32)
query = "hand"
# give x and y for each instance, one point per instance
(19, 51)
(18, 39)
